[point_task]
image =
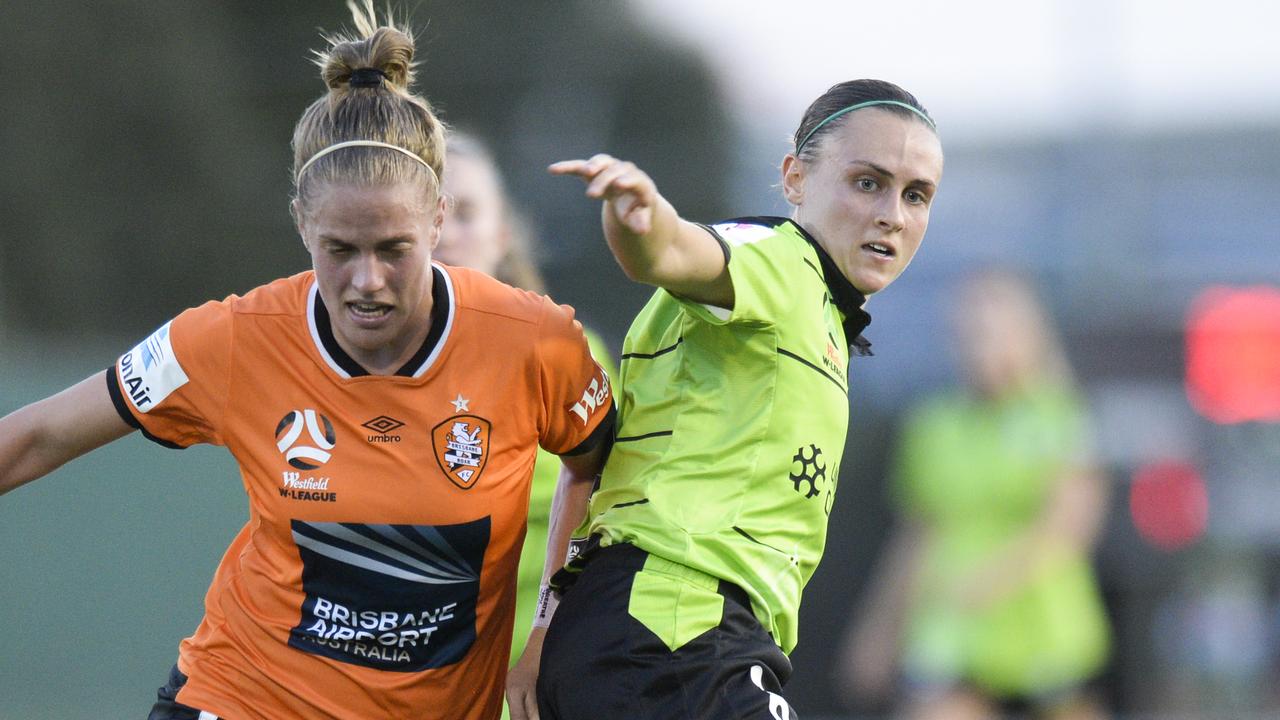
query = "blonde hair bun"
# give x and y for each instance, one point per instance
(377, 109)
(386, 48)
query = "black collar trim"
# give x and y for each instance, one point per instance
(347, 367)
(846, 297)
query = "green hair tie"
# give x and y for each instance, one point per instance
(859, 106)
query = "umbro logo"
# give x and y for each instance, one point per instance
(382, 427)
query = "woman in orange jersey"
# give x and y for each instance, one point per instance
(385, 412)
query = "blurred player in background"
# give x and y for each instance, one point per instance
(986, 599)
(483, 228)
(712, 511)
(484, 231)
(385, 412)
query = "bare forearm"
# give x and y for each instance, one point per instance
(43, 436)
(21, 460)
(643, 257)
(568, 509)
(675, 254)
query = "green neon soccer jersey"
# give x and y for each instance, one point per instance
(733, 422)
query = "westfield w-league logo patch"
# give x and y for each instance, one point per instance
(461, 444)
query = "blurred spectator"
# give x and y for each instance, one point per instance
(484, 230)
(985, 604)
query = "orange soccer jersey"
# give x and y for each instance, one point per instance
(375, 577)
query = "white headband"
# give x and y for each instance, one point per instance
(362, 143)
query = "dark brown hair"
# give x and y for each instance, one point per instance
(847, 94)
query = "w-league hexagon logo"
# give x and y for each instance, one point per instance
(309, 451)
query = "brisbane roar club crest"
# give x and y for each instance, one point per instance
(461, 444)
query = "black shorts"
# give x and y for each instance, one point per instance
(167, 706)
(600, 661)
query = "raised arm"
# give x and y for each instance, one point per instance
(41, 437)
(647, 236)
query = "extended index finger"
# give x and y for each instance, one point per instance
(569, 167)
(584, 168)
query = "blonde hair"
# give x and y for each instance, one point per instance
(383, 112)
(1044, 356)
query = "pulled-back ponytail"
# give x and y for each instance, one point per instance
(825, 113)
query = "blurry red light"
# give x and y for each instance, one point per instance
(1233, 354)
(1169, 504)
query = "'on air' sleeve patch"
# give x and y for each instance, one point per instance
(150, 372)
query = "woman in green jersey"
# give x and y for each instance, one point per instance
(711, 513)
(986, 603)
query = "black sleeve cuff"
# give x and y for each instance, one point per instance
(602, 433)
(724, 246)
(117, 399)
